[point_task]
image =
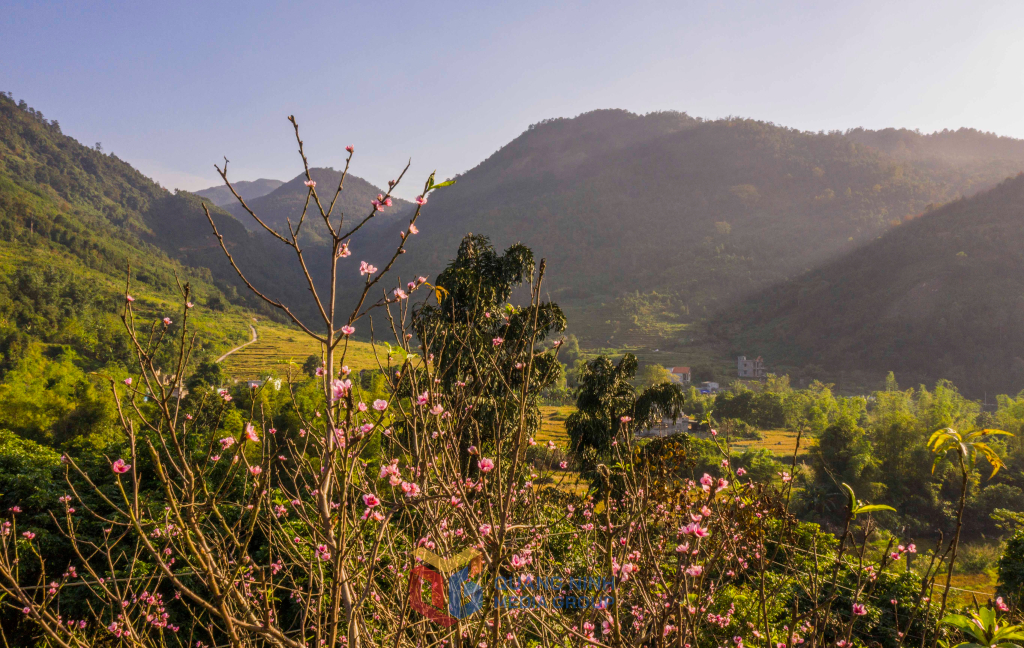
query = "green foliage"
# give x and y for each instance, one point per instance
(1011, 568)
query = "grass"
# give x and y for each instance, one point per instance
(552, 424)
(280, 347)
(779, 442)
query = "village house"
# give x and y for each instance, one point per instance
(750, 368)
(680, 375)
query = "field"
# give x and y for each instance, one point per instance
(781, 443)
(279, 348)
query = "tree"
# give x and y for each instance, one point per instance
(312, 363)
(965, 448)
(651, 375)
(607, 405)
(207, 374)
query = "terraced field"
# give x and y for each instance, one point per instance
(279, 348)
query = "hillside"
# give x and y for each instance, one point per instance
(287, 201)
(703, 213)
(939, 297)
(247, 189)
(70, 208)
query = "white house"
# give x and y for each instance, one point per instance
(750, 368)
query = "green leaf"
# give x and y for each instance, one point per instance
(870, 508)
(853, 498)
(446, 183)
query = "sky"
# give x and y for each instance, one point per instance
(173, 87)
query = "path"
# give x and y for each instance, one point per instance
(240, 347)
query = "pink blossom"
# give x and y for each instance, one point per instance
(15, 509)
(361, 406)
(255, 470)
(786, 477)
(343, 251)
(167, 321)
(694, 570)
(348, 330)
(28, 535)
(340, 389)
(322, 552)
(1001, 605)
(413, 229)
(497, 341)
(189, 304)
(625, 419)
(365, 268)
(859, 609)
(380, 405)
(486, 465)
(250, 433)
(485, 529)
(371, 500)
(436, 410)
(350, 148)
(410, 489)
(129, 298)
(518, 562)
(741, 471)
(563, 464)
(227, 442)
(310, 183)
(421, 200)
(120, 467)
(128, 381)
(911, 548)
(399, 293)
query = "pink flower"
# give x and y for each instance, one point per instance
(563, 464)
(129, 298)
(340, 389)
(423, 398)
(436, 410)
(413, 229)
(15, 509)
(485, 529)
(694, 570)
(128, 381)
(380, 405)
(421, 200)
(365, 268)
(1001, 605)
(518, 562)
(310, 183)
(350, 148)
(859, 609)
(189, 304)
(167, 321)
(371, 500)
(227, 442)
(255, 470)
(343, 251)
(486, 465)
(410, 489)
(28, 535)
(120, 467)
(399, 293)
(250, 433)
(322, 552)
(911, 548)
(497, 341)
(348, 330)
(625, 419)
(741, 471)
(361, 406)
(786, 477)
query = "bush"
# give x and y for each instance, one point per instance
(1011, 569)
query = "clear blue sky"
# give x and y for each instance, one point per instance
(173, 86)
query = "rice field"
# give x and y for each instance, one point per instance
(279, 348)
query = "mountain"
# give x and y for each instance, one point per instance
(693, 215)
(941, 296)
(68, 205)
(247, 189)
(287, 202)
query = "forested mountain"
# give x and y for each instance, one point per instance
(66, 205)
(941, 296)
(247, 189)
(287, 202)
(703, 212)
